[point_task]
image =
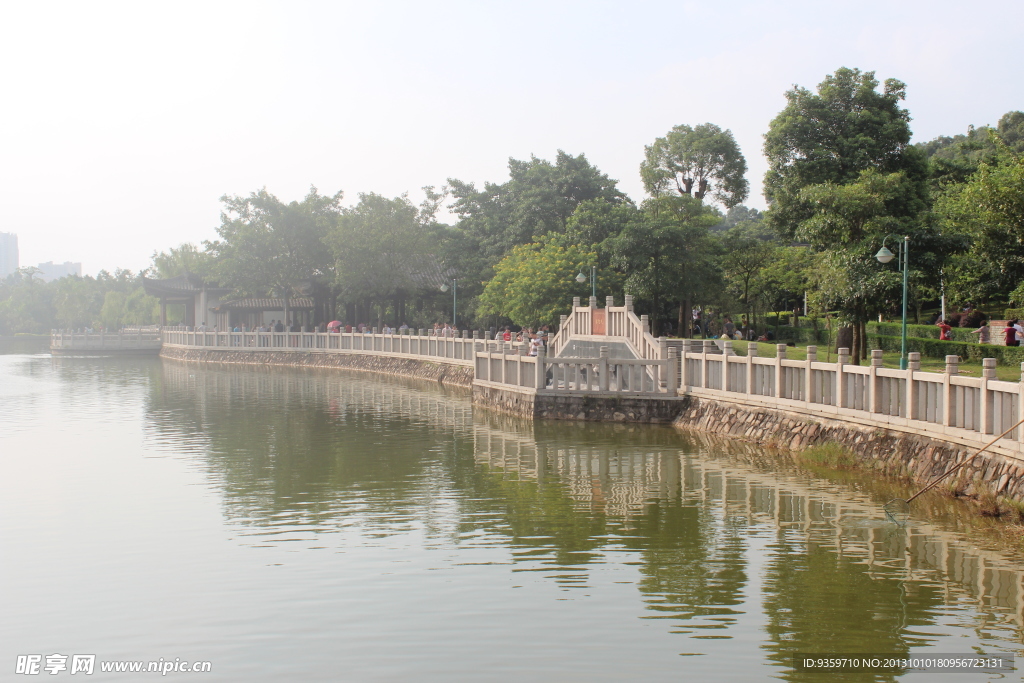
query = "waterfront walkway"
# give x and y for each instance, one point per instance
(947, 406)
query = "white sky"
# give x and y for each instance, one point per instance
(122, 124)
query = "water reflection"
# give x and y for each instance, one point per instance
(730, 543)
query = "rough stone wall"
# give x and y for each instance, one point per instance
(578, 407)
(449, 375)
(893, 453)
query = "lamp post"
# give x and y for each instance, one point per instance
(884, 256)
(581, 278)
(455, 289)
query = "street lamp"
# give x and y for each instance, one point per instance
(885, 256)
(455, 290)
(581, 278)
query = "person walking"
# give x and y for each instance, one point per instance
(944, 331)
(1010, 333)
(983, 333)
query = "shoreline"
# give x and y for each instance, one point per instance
(895, 454)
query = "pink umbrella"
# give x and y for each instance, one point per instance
(334, 323)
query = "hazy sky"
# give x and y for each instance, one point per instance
(124, 124)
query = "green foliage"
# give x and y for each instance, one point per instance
(955, 158)
(667, 252)
(933, 348)
(535, 282)
(694, 162)
(988, 210)
(842, 177)
(26, 304)
(133, 308)
(960, 334)
(832, 136)
(538, 198)
(267, 247)
(381, 246)
(30, 306)
(185, 259)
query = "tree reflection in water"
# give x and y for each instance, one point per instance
(719, 529)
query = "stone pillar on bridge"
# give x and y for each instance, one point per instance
(948, 412)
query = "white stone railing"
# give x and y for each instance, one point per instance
(454, 350)
(506, 367)
(620, 322)
(944, 405)
(141, 338)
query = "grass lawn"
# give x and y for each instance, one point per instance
(1007, 373)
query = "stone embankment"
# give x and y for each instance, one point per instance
(443, 373)
(596, 407)
(890, 452)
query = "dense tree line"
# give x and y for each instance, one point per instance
(843, 175)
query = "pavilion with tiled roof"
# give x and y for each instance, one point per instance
(196, 295)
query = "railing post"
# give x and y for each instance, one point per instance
(683, 370)
(780, 355)
(913, 365)
(575, 302)
(948, 390)
(1020, 404)
(988, 373)
(708, 345)
(812, 357)
(751, 368)
(842, 358)
(874, 395)
(645, 324)
(671, 385)
(629, 302)
(541, 377)
(603, 369)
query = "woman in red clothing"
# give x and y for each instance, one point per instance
(944, 330)
(1010, 334)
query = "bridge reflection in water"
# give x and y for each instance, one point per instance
(728, 541)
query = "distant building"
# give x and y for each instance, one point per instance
(8, 253)
(50, 271)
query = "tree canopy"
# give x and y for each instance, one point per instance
(831, 136)
(696, 161)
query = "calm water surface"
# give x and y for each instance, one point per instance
(288, 525)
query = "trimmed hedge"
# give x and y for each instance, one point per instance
(801, 335)
(961, 334)
(933, 348)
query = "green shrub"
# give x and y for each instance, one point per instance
(933, 348)
(922, 331)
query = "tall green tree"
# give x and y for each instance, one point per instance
(831, 136)
(185, 259)
(988, 210)
(538, 198)
(385, 250)
(695, 161)
(667, 254)
(841, 176)
(267, 247)
(535, 282)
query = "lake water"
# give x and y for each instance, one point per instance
(289, 525)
